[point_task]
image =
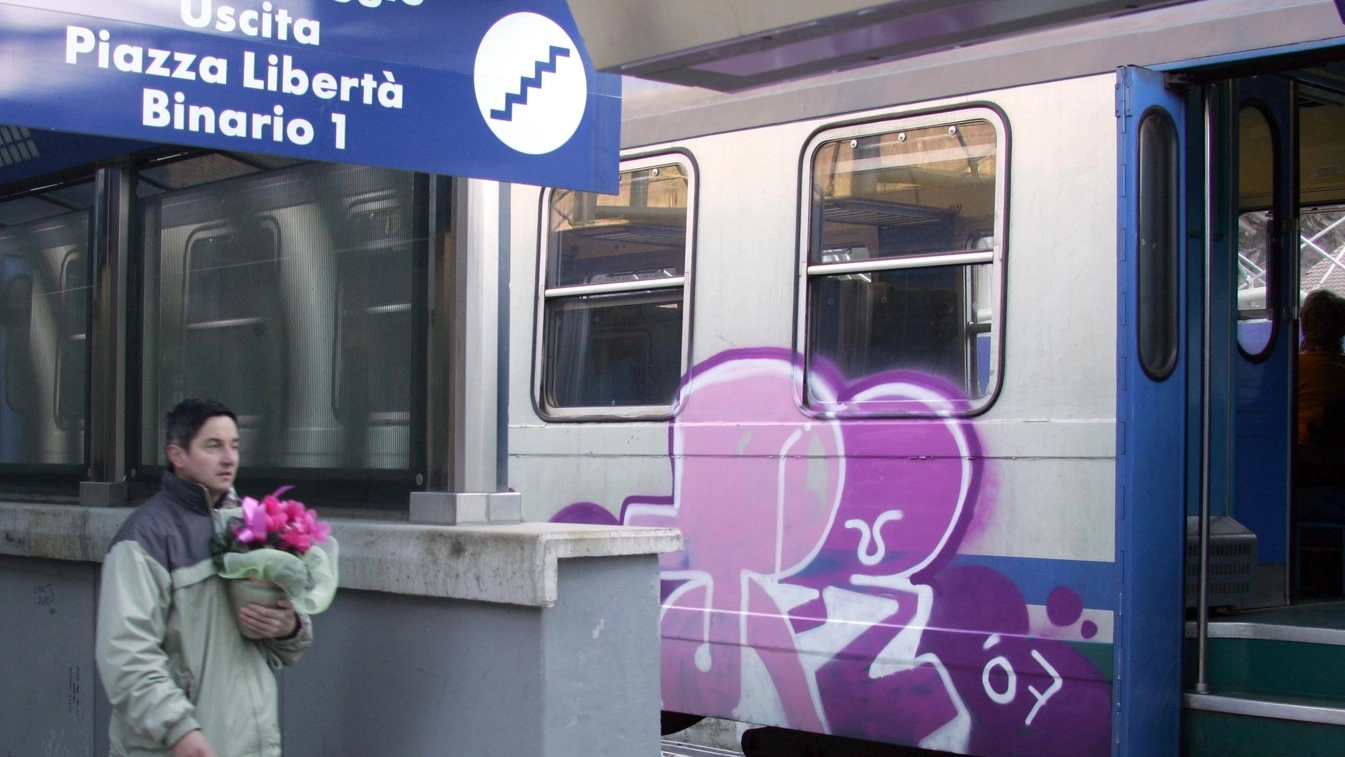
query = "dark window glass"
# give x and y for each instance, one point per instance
(615, 350)
(919, 319)
(1158, 239)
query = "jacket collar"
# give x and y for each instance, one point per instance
(194, 497)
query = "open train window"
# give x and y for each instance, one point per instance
(613, 321)
(904, 254)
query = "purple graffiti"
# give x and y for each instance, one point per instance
(815, 589)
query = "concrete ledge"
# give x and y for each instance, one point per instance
(510, 564)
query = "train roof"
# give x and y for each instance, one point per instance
(1208, 33)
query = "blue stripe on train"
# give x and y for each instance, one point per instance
(1036, 578)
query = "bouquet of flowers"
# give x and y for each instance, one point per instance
(276, 541)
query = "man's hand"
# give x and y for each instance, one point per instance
(267, 622)
(193, 745)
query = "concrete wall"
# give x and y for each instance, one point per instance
(555, 653)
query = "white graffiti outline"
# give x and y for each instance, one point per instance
(694, 579)
(879, 548)
(1001, 662)
(1056, 684)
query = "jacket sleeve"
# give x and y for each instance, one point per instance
(133, 605)
(284, 652)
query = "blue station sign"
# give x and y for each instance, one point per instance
(497, 89)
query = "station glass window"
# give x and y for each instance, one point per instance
(44, 283)
(285, 291)
(613, 290)
(904, 253)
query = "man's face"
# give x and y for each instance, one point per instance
(212, 460)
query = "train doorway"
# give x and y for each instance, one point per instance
(1266, 463)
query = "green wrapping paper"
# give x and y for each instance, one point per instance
(309, 580)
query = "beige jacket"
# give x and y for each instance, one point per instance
(168, 647)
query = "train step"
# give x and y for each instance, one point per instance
(1275, 682)
(1276, 659)
(1232, 725)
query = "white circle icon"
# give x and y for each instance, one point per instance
(530, 83)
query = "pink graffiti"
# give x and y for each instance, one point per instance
(806, 593)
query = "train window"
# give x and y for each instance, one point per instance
(904, 259)
(613, 291)
(1256, 230)
(287, 295)
(1158, 230)
(1322, 249)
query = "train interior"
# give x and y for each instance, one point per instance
(1273, 468)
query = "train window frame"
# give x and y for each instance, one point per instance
(973, 250)
(553, 297)
(1270, 304)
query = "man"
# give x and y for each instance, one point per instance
(182, 679)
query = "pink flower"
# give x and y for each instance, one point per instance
(282, 524)
(300, 542)
(254, 522)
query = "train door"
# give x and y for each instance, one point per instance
(1254, 222)
(1152, 391)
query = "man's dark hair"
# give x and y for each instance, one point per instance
(184, 422)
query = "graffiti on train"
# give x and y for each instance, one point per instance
(816, 589)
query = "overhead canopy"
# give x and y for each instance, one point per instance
(498, 90)
(730, 45)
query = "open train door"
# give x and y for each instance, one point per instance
(1254, 220)
(1153, 422)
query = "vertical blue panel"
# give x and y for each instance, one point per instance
(1151, 413)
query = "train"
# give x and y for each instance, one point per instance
(968, 380)
(968, 377)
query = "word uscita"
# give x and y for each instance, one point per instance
(266, 23)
